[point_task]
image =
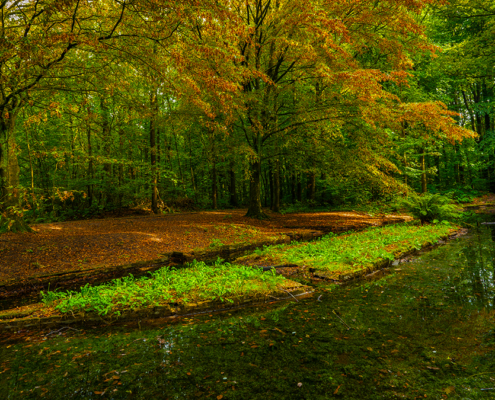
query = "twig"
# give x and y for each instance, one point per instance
(319, 297)
(341, 320)
(61, 329)
(290, 294)
(488, 389)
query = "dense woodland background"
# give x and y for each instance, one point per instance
(256, 103)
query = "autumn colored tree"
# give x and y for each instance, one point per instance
(320, 53)
(254, 103)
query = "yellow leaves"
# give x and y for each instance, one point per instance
(449, 390)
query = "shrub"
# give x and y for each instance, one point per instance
(430, 207)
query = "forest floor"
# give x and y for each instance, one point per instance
(77, 245)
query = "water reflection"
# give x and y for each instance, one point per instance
(425, 329)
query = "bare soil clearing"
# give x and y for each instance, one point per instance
(69, 246)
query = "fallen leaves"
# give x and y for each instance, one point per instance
(87, 244)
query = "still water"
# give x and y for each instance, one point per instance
(426, 330)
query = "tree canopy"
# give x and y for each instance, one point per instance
(256, 103)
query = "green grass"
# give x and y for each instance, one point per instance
(354, 251)
(199, 282)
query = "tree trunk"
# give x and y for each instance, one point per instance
(232, 188)
(255, 209)
(214, 186)
(276, 186)
(90, 168)
(9, 176)
(293, 185)
(299, 187)
(311, 187)
(424, 187)
(107, 167)
(154, 178)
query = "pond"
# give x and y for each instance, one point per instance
(427, 329)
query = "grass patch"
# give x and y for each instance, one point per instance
(350, 252)
(198, 283)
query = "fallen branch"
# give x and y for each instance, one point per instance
(341, 320)
(61, 329)
(290, 294)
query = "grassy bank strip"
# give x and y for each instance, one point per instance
(200, 283)
(338, 255)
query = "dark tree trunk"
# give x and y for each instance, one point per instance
(299, 187)
(270, 183)
(293, 187)
(255, 209)
(276, 187)
(107, 167)
(154, 178)
(232, 187)
(311, 187)
(214, 186)
(9, 173)
(90, 168)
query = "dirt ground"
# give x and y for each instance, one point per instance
(61, 247)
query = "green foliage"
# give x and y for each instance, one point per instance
(198, 282)
(430, 207)
(463, 194)
(356, 250)
(216, 243)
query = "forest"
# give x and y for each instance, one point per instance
(190, 105)
(247, 199)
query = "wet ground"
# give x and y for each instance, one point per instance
(427, 329)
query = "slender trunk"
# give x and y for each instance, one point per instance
(311, 195)
(179, 162)
(293, 186)
(214, 186)
(439, 171)
(107, 167)
(31, 170)
(154, 179)
(299, 187)
(90, 168)
(470, 111)
(233, 192)
(424, 187)
(265, 189)
(193, 179)
(276, 186)
(121, 165)
(270, 182)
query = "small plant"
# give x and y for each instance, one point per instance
(197, 283)
(430, 207)
(216, 243)
(355, 250)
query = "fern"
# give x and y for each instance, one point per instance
(430, 207)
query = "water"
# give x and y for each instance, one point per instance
(426, 330)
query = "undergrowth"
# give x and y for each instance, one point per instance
(359, 249)
(431, 207)
(199, 282)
